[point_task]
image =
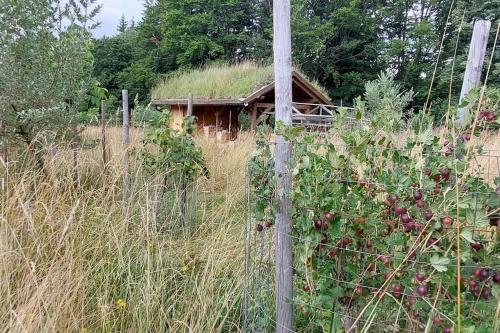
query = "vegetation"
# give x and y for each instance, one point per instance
(398, 36)
(399, 209)
(74, 260)
(216, 81)
(404, 227)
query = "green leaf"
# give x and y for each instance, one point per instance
(496, 291)
(440, 264)
(467, 234)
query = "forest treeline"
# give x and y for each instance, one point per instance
(342, 43)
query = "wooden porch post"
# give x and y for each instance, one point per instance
(253, 125)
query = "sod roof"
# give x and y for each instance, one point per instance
(218, 82)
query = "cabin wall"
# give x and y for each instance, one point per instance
(208, 115)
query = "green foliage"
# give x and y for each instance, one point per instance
(352, 245)
(43, 66)
(146, 115)
(390, 36)
(176, 155)
(244, 120)
(384, 103)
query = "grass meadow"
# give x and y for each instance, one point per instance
(80, 260)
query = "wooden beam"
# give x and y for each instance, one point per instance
(283, 94)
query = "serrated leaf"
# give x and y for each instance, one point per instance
(467, 234)
(440, 264)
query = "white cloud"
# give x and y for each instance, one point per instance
(111, 12)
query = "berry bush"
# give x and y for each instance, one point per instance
(387, 236)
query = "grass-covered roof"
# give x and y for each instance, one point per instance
(215, 82)
(219, 81)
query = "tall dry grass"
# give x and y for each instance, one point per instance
(77, 260)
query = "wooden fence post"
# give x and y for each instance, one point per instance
(126, 143)
(475, 62)
(283, 104)
(5, 161)
(103, 137)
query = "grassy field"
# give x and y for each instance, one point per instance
(78, 260)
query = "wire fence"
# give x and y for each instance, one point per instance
(373, 265)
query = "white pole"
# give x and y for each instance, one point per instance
(475, 62)
(283, 104)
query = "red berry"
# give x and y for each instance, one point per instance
(467, 136)
(472, 284)
(307, 288)
(259, 227)
(447, 330)
(437, 190)
(417, 195)
(329, 217)
(428, 215)
(422, 290)
(332, 253)
(405, 218)
(437, 320)
(483, 274)
(496, 277)
(491, 116)
(358, 291)
(420, 204)
(392, 198)
(476, 246)
(318, 224)
(399, 210)
(412, 300)
(485, 293)
(268, 224)
(420, 277)
(477, 272)
(444, 172)
(397, 289)
(447, 220)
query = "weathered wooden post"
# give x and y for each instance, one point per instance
(126, 143)
(190, 105)
(103, 137)
(4, 161)
(475, 62)
(74, 143)
(283, 104)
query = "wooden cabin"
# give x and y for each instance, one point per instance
(220, 94)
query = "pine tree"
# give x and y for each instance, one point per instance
(122, 25)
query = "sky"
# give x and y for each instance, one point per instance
(111, 12)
